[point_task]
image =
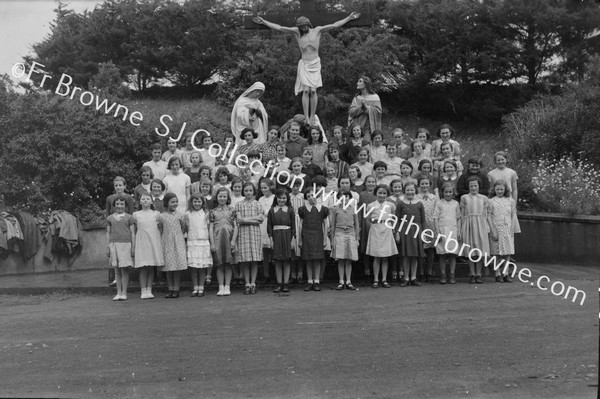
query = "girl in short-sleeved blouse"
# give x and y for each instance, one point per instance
(173, 225)
(249, 215)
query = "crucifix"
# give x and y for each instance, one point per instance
(308, 78)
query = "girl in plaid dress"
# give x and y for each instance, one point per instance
(249, 242)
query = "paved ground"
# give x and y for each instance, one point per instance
(485, 341)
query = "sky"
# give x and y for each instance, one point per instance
(25, 22)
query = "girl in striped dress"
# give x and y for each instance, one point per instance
(249, 241)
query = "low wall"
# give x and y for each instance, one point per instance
(557, 238)
(92, 256)
(545, 238)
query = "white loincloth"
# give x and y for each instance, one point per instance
(309, 75)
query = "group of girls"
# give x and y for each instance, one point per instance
(198, 219)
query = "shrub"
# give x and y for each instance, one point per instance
(567, 186)
(549, 127)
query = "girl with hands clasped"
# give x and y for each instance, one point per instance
(148, 249)
(380, 244)
(199, 242)
(446, 221)
(281, 228)
(223, 231)
(475, 226)
(120, 235)
(249, 247)
(344, 243)
(503, 210)
(172, 227)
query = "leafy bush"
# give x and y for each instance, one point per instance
(567, 186)
(550, 126)
(57, 154)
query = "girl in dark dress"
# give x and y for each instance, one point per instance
(281, 228)
(313, 241)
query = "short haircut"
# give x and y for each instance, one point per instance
(204, 167)
(410, 183)
(501, 154)
(168, 197)
(223, 171)
(474, 161)
(362, 134)
(119, 197)
(412, 145)
(278, 194)
(147, 169)
(196, 196)
(269, 184)
(234, 181)
(281, 145)
(121, 179)
(174, 158)
(246, 130)
(422, 130)
(382, 186)
(449, 144)
(380, 164)
(205, 182)
(294, 123)
(319, 181)
(448, 185)
(344, 193)
(451, 162)
(445, 126)
(156, 146)
(375, 133)
(220, 190)
(249, 184)
(158, 181)
(407, 163)
(500, 182)
(358, 172)
(396, 181)
(364, 149)
(423, 162)
(253, 154)
(297, 159)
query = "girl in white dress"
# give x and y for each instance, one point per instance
(199, 256)
(148, 247)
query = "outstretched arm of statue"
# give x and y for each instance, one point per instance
(274, 26)
(341, 22)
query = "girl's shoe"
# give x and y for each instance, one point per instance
(247, 290)
(208, 281)
(403, 282)
(123, 297)
(349, 286)
(176, 294)
(226, 290)
(143, 294)
(309, 287)
(200, 293)
(375, 284)
(385, 284)
(170, 295)
(149, 293)
(285, 288)
(394, 278)
(478, 280)
(507, 279)
(117, 297)
(472, 280)
(498, 279)
(317, 287)
(253, 290)
(278, 289)
(195, 292)
(221, 290)
(443, 279)
(452, 279)
(340, 287)
(415, 283)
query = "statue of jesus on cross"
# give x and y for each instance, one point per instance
(308, 78)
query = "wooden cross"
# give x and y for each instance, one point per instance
(307, 9)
